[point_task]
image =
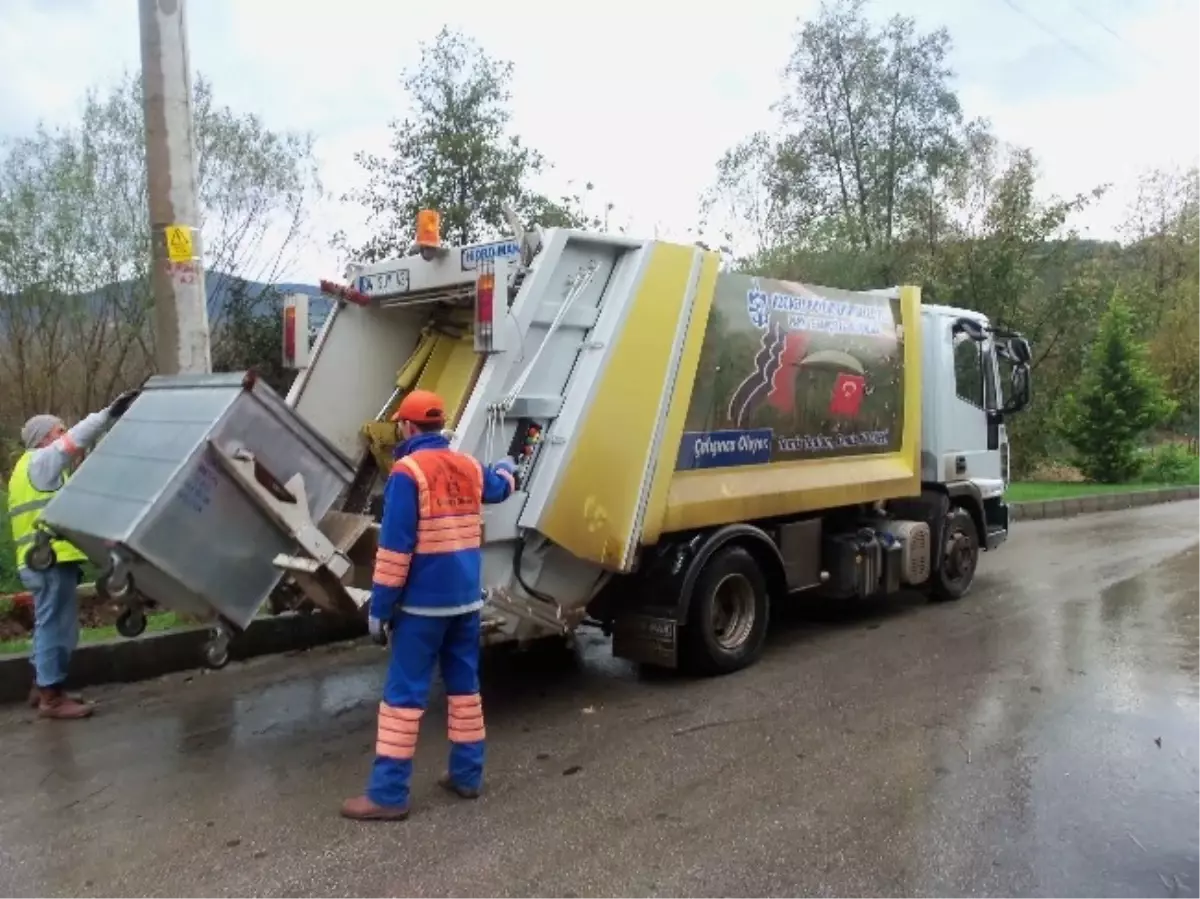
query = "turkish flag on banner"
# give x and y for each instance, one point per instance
(847, 395)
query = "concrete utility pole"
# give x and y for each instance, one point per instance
(177, 253)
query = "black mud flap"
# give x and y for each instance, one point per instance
(647, 639)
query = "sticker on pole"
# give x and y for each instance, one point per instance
(179, 243)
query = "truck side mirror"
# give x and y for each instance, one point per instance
(1019, 397)
(1018, 349)
(971, 328)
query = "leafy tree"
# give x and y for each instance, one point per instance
(75, 296)
(876, 179)
(1118, 401)
(750, 196)
(251, 335)
(456, 154)
(1163, 235)
(1162, 273)
(570, 211)
(871, 121)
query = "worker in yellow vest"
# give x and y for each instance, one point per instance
(51, 453)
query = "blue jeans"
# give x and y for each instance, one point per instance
(55, 620)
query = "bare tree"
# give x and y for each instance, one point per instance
(75, 300)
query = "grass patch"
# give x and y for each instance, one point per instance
(162, 621)
(1037, 491)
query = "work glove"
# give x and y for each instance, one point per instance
(507, 464)
(122, 403)
(378, 629)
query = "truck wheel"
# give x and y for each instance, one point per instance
(960, 556)
(727, 614)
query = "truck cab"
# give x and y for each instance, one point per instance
(974, 377)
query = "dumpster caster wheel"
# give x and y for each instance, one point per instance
(216, 652)
(131, 623)
(112, 586)
(40, 556)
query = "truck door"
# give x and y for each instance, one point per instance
(976, 430)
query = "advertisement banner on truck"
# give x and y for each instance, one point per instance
(791, 372)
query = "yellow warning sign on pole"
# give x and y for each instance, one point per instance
(179, 243)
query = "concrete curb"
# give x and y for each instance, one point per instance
(152, 655)
(1100, 502)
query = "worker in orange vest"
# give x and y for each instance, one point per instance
(427, 596)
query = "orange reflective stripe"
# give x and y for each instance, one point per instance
(414, 470)
(392, 556)
(449, 533)
(449, 523)
(397, 732)
(399, 712)
(477, 478)
(447, 546)
(391, 567)
(464, 721)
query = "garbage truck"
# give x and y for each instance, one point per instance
(695, 447)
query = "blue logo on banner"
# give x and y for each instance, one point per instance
(758, 306)
(724, 449)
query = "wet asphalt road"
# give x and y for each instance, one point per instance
(1008, 744)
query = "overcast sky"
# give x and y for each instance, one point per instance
(639, 97)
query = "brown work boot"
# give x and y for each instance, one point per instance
(361, 808)
(35, 697)
(54, 703)
(446, 782)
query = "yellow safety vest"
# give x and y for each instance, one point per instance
(25, 504)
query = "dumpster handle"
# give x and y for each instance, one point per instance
(264, 477)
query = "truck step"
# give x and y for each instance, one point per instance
(533, 611)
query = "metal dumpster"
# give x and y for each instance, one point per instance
(160, 500)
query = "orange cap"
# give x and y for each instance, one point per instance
(423, 407)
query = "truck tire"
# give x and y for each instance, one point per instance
(727, 615)
(960, 558)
